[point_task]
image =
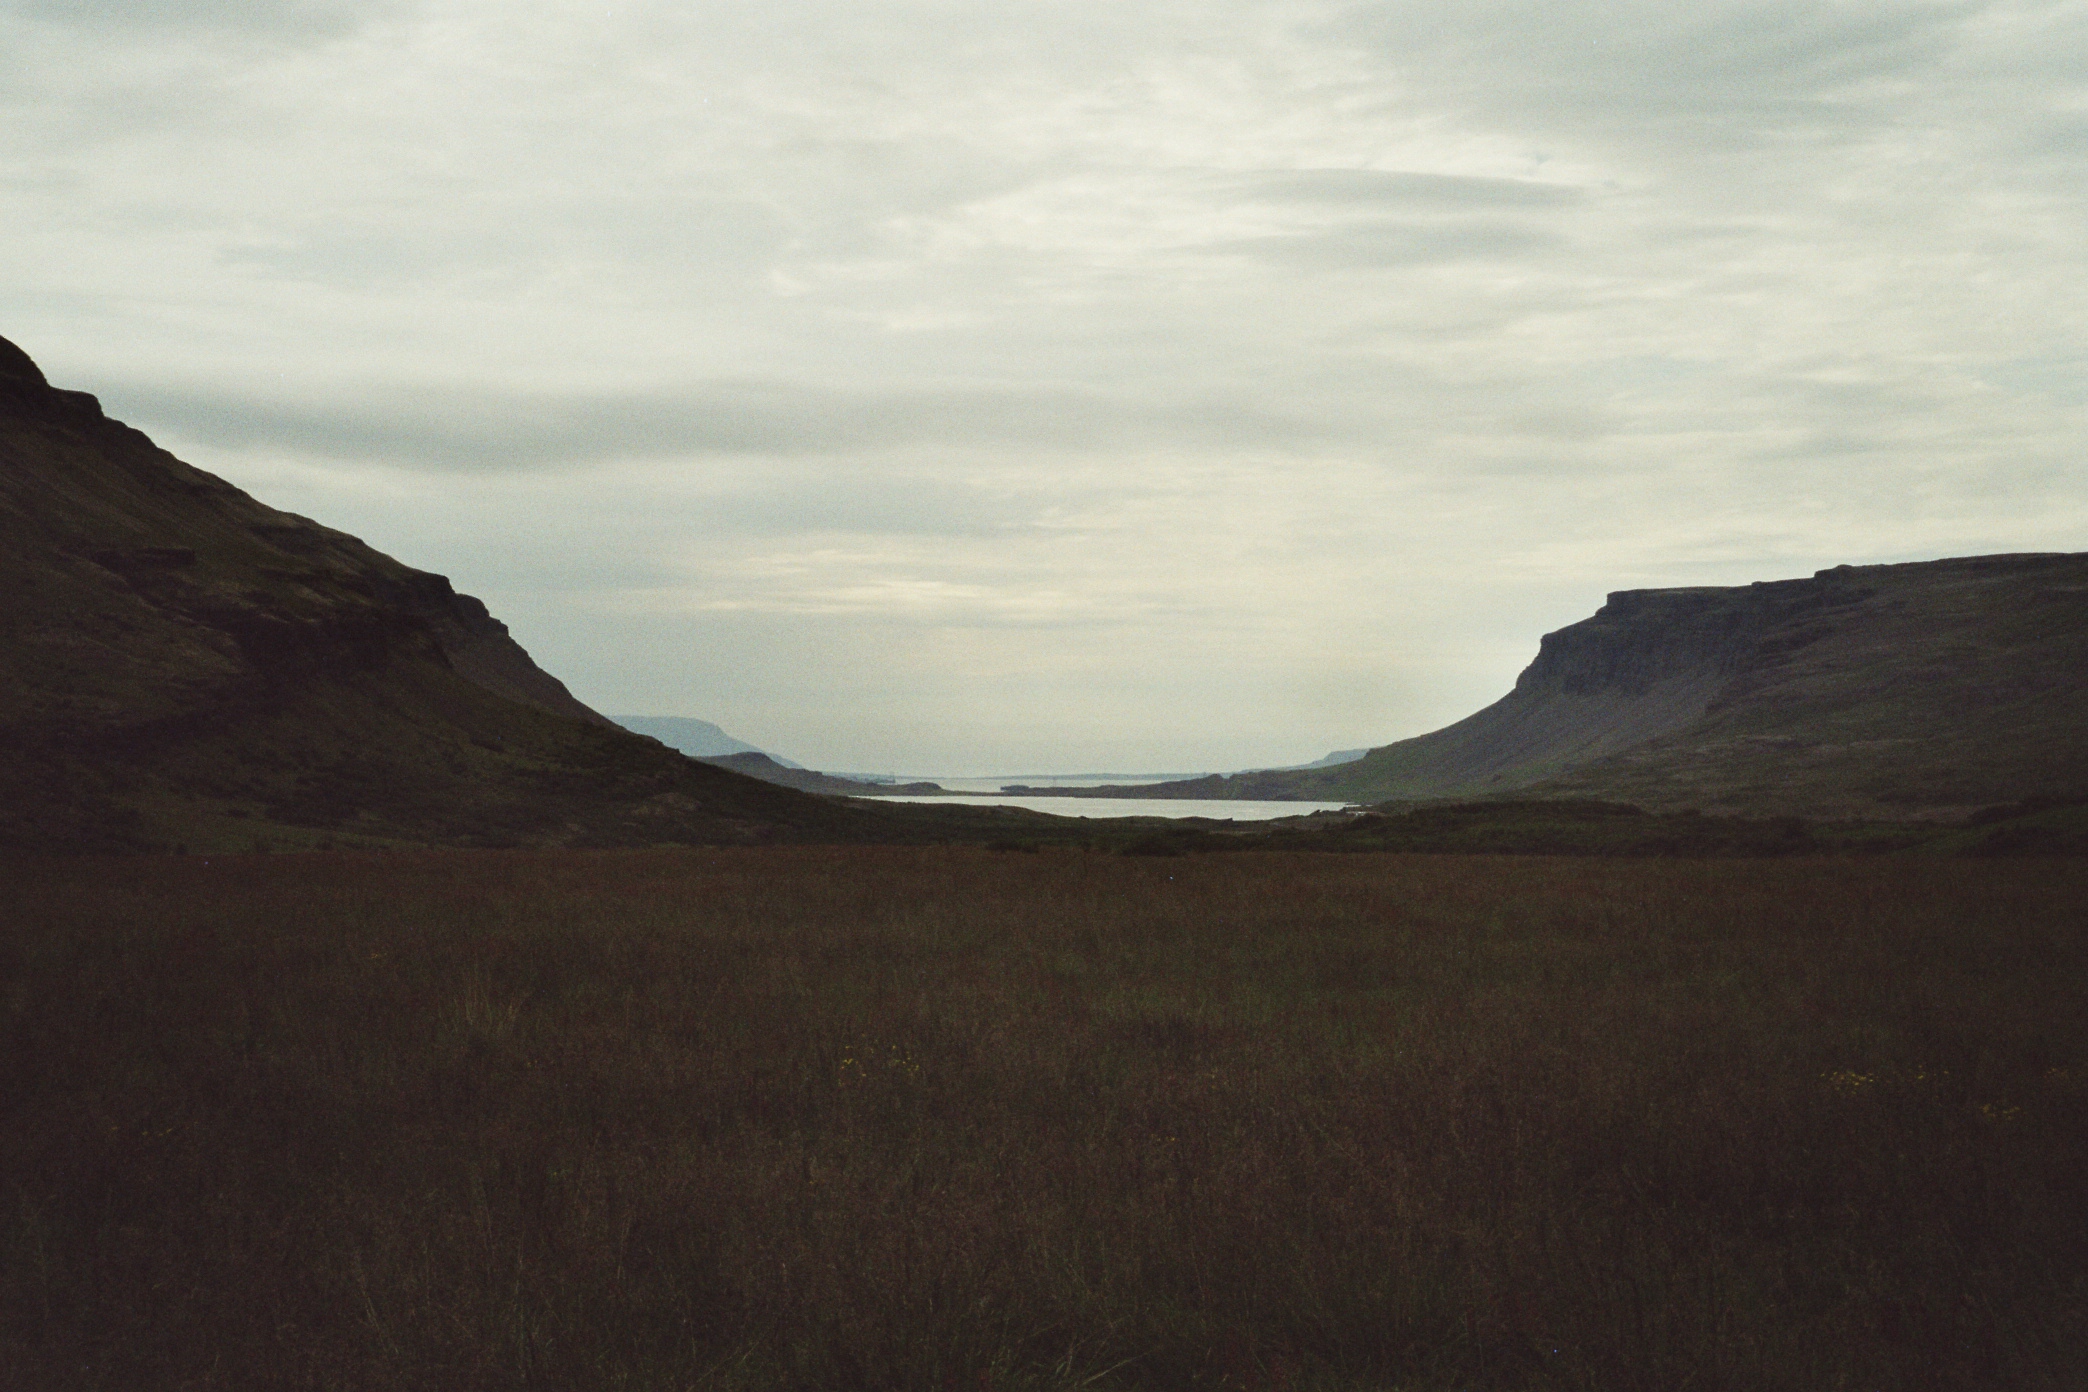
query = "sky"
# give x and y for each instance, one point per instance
(1060, 385)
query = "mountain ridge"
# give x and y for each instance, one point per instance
(1851, 692)
(181, 664)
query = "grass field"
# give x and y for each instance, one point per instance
(954, 1119)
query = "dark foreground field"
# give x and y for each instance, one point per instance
(946, 1119)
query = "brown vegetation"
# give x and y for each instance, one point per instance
(800, 1117)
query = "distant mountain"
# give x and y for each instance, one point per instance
(1339, 756)
(755, 764)
(1923, 690)
(183, 665)
(1110, 784)
(699, 739)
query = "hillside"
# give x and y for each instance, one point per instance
(183, 665)
(1926, 689)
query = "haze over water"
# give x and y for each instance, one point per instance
(996, 782)
(1241, 810)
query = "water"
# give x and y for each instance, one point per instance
(1222, 809)
(994, 782)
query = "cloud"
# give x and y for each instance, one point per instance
(274, 18)
(1391, 190)
(1619, 58)
(1383, 242)
(1080, 367)
(478, 429)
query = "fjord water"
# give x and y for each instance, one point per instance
(1239, 810)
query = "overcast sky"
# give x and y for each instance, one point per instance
(1012, 386)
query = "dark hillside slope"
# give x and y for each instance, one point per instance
(1901, 690)
(1924, 689)
(181, 664)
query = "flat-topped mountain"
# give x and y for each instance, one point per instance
(699, 739)
(181, 664)
(1923, 689)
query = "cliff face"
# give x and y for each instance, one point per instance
(1907, 690)
(1916, 689)
(1923, 689)
(1642, 639)
(182, 663)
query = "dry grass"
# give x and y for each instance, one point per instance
(939, 1119)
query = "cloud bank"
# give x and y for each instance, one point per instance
(933, 386)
